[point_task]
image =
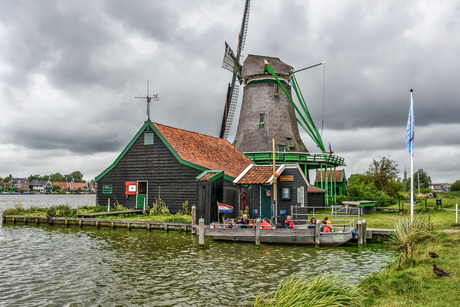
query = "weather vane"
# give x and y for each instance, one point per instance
(149, 99)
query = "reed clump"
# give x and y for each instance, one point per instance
(323, 290)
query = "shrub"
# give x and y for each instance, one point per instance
(120, 207)
(409, 234)
(323, 290)
(159, 207)
(177, 219)
(185, 209)
(455, 186)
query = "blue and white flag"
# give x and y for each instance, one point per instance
(410, 128)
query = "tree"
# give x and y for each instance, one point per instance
(425, 180)
(384, 175)
(56, 177)
(361, 186)
(76, 176)
(455, 186)
(56, 187)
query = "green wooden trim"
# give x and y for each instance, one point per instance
(149, 125)
(218, 174)
(266, 81)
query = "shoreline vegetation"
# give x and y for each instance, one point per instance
(407, 281)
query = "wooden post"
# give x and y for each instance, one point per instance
(317, 234)
(258, 232)
(148, 226)
(25, 220)
(97, 224)
(364, 225)
(80, 223)
(37, 221)
(201, 232)
(108, 205)
(66, 222)
(14, 220)
(166, 227)
(113, 225)
(194, 219)
(360, 233)
(128, 225)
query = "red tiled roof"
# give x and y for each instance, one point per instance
(76, 185)
(330, 174)
(62, 185)
(312, 189)
(204, 150)
(258, 174)
(208, 176)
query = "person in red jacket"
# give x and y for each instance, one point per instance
(325, 227)
(289, 223)
(265, 224)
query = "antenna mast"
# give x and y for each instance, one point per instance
(149, 99)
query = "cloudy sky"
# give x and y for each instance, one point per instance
(69, 71)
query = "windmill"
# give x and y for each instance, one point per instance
(232, 63)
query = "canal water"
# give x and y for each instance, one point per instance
(57, 266)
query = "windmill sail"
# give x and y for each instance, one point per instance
(232, 63)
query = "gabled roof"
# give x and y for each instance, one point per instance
(210, 175)
(17, 181)
(312, 189)
(76, 185)
(62, 185)
(258, 174)
(339, 175)
(200, 151)
(204, 150)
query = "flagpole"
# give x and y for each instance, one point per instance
(412, 161)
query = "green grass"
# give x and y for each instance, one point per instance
(414, 283)
(323, 290)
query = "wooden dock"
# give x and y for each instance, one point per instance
(98, 223)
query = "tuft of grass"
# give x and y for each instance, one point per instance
(323, 290)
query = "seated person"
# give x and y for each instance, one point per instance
(252, 222)
(325, 227)
(245, 221)
(265, 224)
(329, 223)
(312, 223)
(289, 223)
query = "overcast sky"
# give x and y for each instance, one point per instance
(69, 71)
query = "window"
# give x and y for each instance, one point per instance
(281, 147)
(290, 143)
(277, 89)
(261, 119)
(286, 193)
(148, 138)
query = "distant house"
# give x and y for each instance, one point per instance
(441, 187)
(164, 162)
(21, 184)
(332, 180)
(8, 186)
(78, 186)
(92, 186)
(64, 186)
(41, 186)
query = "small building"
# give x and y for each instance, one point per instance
(63, 186)
(164, 162)
(332, 180)
(78, 186)
(41, 186)
(293, 190)
(21, 184)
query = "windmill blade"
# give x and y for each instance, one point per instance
(244, 27)
(229, 111)
(231, 63)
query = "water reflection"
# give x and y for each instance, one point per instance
(57, 266)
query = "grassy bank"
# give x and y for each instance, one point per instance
(408, 281)
(66, 211)
(413, 283)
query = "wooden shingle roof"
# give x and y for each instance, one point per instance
(204, 150)
(330, 176)
(254, 66)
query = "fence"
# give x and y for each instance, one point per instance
(336, 214)
(386, 202)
